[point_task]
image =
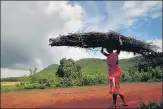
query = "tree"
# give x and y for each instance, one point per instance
(34, 71)
(69, 71)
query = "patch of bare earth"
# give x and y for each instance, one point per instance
(81, 97)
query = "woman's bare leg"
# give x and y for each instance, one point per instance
(122, 97)
(114, 100)
(118, 88)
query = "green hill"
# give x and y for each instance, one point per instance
(90, 65)
(49, 70)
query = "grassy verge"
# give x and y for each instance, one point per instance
(11, 88)
(7, 89)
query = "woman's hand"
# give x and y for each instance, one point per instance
(102, 51)
(120, 41)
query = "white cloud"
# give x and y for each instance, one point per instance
(157, 15)
(125, 55)
(27, 27)
(6, 72)
(157, 43)
(122, 14)
(140, 8)
(132, 10)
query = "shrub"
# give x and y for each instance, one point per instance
(145, 76)
(36, 81)
(151, 105)
(94, 78)
(153, 80)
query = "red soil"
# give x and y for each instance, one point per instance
(81, 97)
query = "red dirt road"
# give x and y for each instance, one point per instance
(81, 97)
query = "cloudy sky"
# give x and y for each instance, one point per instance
(26, 27)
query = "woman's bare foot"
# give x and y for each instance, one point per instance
(112, 107)
(124, 104)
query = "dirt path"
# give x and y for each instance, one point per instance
(82, 97)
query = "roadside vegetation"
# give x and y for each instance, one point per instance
(82, 73)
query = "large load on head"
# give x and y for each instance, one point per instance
(105, 40)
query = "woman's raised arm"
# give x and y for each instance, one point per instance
(120, 42)
(102, 51)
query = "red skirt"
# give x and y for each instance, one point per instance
(114, 80)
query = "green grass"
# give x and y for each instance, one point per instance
(6, 89)
(12, 88)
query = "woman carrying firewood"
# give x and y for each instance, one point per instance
(115, 74)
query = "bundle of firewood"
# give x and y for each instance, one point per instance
(105, 40)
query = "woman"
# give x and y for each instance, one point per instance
(115, 74)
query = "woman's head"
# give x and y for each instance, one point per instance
(109, 50)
